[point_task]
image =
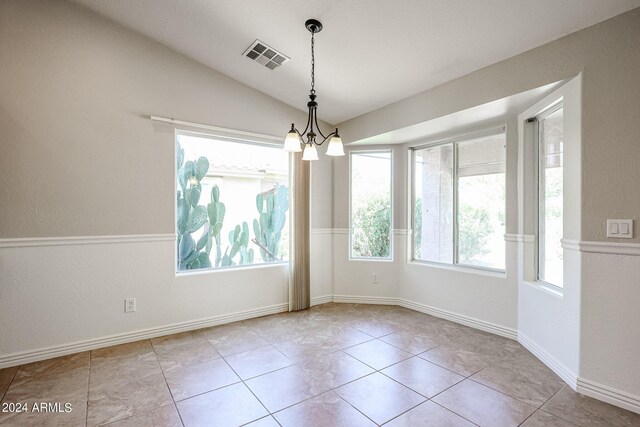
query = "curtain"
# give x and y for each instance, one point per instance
(299, 258)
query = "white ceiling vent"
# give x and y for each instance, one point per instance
(265, 55)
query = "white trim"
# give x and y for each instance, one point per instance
(401, 231)
(84, 240)
(340, 231)
(459, 318)
(612, 248)
(553, 290)
(462, 268)
(525, 238)
(322, 230)
(321, 300)
(572, 245)
(609, 394)
(459, 137)
(358, 299)
(92, 344)
(443, 314)
(562, 371)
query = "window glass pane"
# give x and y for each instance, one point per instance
(232, 203)
(371, 205)
(550, 255)
(433, 210)
(481, 201)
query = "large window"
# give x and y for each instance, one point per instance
(550, 195)
(232, 203)
(371, 204)
(459, 201)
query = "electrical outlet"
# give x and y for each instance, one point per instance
(375, 278)
(129, 305)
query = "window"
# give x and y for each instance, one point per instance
(232, 203)
(459, 202)
(550, 195)
(370, 204)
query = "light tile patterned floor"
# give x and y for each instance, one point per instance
(332, 365)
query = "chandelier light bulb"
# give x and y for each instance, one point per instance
(292, 142)
(310, 152)
(335, 147)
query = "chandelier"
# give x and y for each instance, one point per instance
(295, 140)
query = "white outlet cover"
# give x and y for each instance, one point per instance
(129, 305)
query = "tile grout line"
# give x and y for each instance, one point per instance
(247, 387)
(10, 383)
(447, 409)
(86, 415)
(562, 418)
(348, 403)
(173, 400)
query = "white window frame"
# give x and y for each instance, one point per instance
(220, 134)
(538, 202)
(391, 197)
(454, 142)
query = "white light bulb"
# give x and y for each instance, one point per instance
(335, 147)
(310, 152)
(292, 142)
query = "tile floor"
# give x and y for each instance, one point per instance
(332, 365)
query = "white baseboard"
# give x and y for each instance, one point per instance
(609, 394)
(21, 358)
(552, 363)
(444, 314)
(458, 318)
(321, 300)
(356, 299)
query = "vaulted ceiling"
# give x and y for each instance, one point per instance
(369, 54)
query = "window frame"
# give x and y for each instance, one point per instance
(538, 202)
(455, 202)
(226, 135)
(390, 258)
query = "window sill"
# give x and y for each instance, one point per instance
(546, 287)
(372, 259)
(462, 269)
(230, 268)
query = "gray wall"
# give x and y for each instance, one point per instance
(78, 150)
(608, 56)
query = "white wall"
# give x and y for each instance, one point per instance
(549, 322)
(81, 158)
(57, 299)
(587, 335)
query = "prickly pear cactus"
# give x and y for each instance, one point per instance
(215, 212)
(268, 226)
(239, 240)
(191, 217)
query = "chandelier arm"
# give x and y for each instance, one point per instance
(306, 128)
(332, 134)
(315, 119)
(299, 135)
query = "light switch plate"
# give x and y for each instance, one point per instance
(620, 228)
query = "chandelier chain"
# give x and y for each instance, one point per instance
(313, 64)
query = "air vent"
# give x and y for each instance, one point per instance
(265, 55)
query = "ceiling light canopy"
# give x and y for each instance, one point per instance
(295, 140)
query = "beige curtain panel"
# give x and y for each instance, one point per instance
(299, 258)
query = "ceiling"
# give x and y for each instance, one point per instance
(369, 54)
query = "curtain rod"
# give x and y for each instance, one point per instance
(215, 128)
